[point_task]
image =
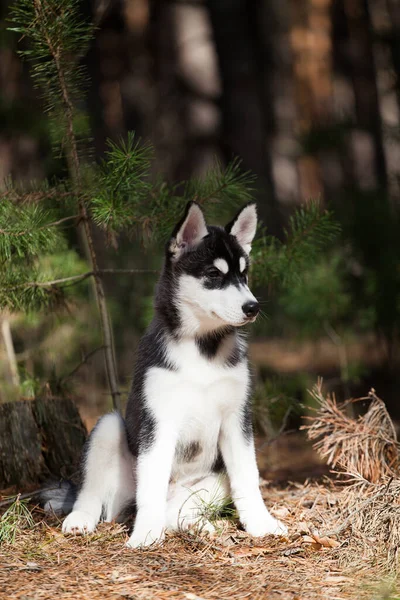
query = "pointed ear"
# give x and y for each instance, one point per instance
(189, 231)
(244, 226)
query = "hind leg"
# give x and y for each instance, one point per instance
(108, 477)
(193, 505)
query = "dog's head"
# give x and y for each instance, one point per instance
(209, 267)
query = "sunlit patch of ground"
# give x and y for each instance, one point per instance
(307, 565)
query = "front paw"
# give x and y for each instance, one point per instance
(145, 534)
(79, 523)
(265, 525)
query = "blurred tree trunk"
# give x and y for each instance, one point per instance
(275, 59)
(20, 132)
(394, 41)
(246, 113)
(312, 50)
(9, 346)
(364, 78)
(344, 94)
(169, 110)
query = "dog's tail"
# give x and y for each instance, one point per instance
(58, 497)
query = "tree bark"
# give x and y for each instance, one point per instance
(246, 124)
(38, 439)
(362, 64)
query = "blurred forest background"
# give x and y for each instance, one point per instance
(307, 94)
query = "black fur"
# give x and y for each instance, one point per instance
(140, 423)
(209, 344)
(188, 452)
(197, 262)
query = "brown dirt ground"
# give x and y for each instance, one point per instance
(43, 564)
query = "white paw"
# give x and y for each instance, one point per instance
(79, 523)
(145, 534)
(266, 525)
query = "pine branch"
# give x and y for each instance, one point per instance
(222, 184)
(58, 38)
(12, 233)
(35, 196)
(27, 231)
(125, 199)
(77, 278)
(311, 230)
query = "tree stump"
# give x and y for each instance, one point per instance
(39, 439)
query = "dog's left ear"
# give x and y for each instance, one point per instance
(189, 231)
(244, 226)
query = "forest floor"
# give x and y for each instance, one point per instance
(308, 564)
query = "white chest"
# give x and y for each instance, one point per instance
(196, 396)
(196, 384)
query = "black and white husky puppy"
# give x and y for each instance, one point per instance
(187, 438)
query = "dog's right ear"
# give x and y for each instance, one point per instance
(189, 232)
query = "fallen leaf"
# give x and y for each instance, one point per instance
(311, 543)
(303, 527)
(307, 539)
(281, 513)
(327, 542)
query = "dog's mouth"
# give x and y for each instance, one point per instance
(241, 324)
(247, 321)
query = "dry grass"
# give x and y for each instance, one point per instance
(366, 452)
(343, 542)
(366, 446)
(43, 564)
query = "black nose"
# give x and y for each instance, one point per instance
(251, 309)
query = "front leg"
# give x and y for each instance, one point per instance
(153, 474)
(237, 448)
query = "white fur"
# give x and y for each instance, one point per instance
(201, 401)
(245, 227)
(205, 310)
(188, 504)
(108, 477)
(242, 264)
(221, 265)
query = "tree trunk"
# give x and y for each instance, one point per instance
(362, 64)
(10, 351)
(311, 46)
(39, 439)
(246, 124)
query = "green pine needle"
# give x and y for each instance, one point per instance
(57, 38)
(310, 232)
(26, 231)
(15, 519)
(126, 199)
